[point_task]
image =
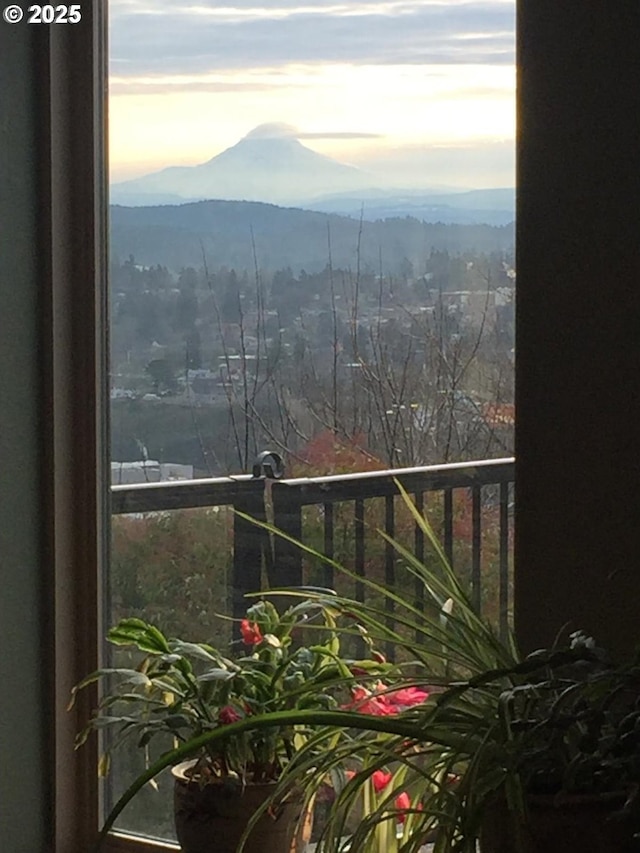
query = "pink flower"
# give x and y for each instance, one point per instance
(380, 780)
(382, 703)
(376, 706)
(360, 694)
(406, 697)
(251, 633)
(228, 715)
(366, 702)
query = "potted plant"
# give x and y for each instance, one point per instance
(343, 740)
(229, 792)
(498, 748)
(567, 741)
(517, 753)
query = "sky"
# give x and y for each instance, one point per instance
(422, 91)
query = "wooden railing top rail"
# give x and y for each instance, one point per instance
(181, 494)
(370, 484)
(221, 491)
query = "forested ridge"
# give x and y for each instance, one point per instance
(242, 235)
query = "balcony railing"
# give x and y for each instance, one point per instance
(468, 502)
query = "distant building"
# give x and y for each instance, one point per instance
(475, 308)
(121, 394)
(498, 415)
(148, 471)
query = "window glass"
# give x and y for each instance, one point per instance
(312, 251)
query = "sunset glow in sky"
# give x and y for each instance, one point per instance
(409, 87)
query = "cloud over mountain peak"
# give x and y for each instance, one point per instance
(273, 130)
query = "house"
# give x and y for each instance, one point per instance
(578, 314)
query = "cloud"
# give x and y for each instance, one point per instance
(283, 130)
(178, 84)
(273, 130)
(340, 134)
(163, 38)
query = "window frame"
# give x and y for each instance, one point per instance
(70, 64)
(72, 236)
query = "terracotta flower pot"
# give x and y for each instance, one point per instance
(581, 823)
(212, 818)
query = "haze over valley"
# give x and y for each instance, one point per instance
(270, 164)
(273, 290)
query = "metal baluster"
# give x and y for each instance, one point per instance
(327, 570)
(476, 545)
(389, 567)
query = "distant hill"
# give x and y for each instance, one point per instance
(269, 164)
(176, 236)
(488, 206)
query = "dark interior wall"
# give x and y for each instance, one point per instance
(24, 801)
(578, 322)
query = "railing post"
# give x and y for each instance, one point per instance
(251, 542)
(287, 516)
(247, 548)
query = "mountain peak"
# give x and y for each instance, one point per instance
(273, 130)
(269, 164)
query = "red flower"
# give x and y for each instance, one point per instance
(251, 633)
(380, 780)
(403, 804)
(228, 715)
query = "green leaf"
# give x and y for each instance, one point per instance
(135, 632)
(104, 765)
(106, 720)
(178, 721)
(196, 650)
(128, 676)
(165, 684)
(145, 738)
(216, 675)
